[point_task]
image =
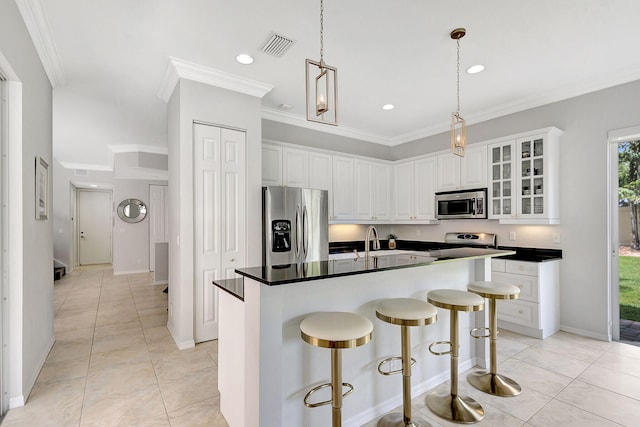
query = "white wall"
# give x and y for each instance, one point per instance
(130, 241)
(191, 102)
(31, 282)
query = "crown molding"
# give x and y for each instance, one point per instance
(137, 148)
(301, 121)
(101, 168)
(38, 27)
(181, 69)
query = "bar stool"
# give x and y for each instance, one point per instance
(491, 382)
(452, 406)
(335, 330)
(404, 312)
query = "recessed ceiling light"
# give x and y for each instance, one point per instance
(388, 107)
(285, 106)
(474, 69)
(245, 59)
(92, 185)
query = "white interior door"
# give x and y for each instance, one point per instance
(94, 227)
(158, 220)
(219, 202)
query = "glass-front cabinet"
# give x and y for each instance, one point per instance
(524, 174)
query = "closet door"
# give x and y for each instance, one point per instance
(219, 218)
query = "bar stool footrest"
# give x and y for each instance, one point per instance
(325, 402)
(487, 333)
(495, 384)
(440, 353)
(389, 360)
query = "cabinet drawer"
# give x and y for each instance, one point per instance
(522, 267)
(528, 284)
(498, 264)
(521, 312)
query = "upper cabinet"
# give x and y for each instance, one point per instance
(371, 190)
(321, 175)
(414, 186)
(295, 167)
(459, 173)
(343, 206)
(524, 174)
(271, 165)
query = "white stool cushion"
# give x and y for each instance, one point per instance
(336, 329)
(453, 299)
(495, 290)
(406, 312)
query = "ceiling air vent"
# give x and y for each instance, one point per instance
(277, 45)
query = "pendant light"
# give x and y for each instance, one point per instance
(322, 85)
(458, 125)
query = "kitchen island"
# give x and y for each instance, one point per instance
(265, 369)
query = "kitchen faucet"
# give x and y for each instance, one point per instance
(367, 239)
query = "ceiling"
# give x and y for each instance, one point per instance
(107, 59)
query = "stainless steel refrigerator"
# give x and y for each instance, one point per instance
(295, 225)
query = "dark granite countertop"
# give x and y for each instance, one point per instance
(350, 265)
(233, 286)
(522, 253)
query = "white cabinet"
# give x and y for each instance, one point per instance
(371, 190)
(523, 183)
(343, 206)
(271, 164)
(295, 167)
(537, 312)
(321, 175)
(414, 189)
(458, 173)
(285, 166)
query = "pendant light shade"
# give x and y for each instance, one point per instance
(458, 133)
(322, 85)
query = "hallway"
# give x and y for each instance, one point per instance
(114, 362)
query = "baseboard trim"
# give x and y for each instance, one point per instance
(584, 333)
(16, 402)
(120, 273)
(32, 381)
(182, 345)
(161, 282)
(416, 390)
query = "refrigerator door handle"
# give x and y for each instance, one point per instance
(298, 234)
(305, 233)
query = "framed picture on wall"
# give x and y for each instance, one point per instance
(42, 189)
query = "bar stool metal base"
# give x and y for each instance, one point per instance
(495, 384)
(459, 409)
(398, 420)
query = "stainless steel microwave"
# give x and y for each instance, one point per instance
(463, 204)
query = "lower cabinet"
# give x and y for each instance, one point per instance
(537, 312)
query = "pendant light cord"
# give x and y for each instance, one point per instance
(458, 81)
(321, 33)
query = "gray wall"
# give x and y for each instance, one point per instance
(34, 306)
(191, 102)
(130, 241)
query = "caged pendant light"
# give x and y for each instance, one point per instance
(322, 85)
(458, 125)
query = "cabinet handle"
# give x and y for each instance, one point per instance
(232, 259)
(520, 311)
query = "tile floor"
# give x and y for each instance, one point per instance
(114, 364)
